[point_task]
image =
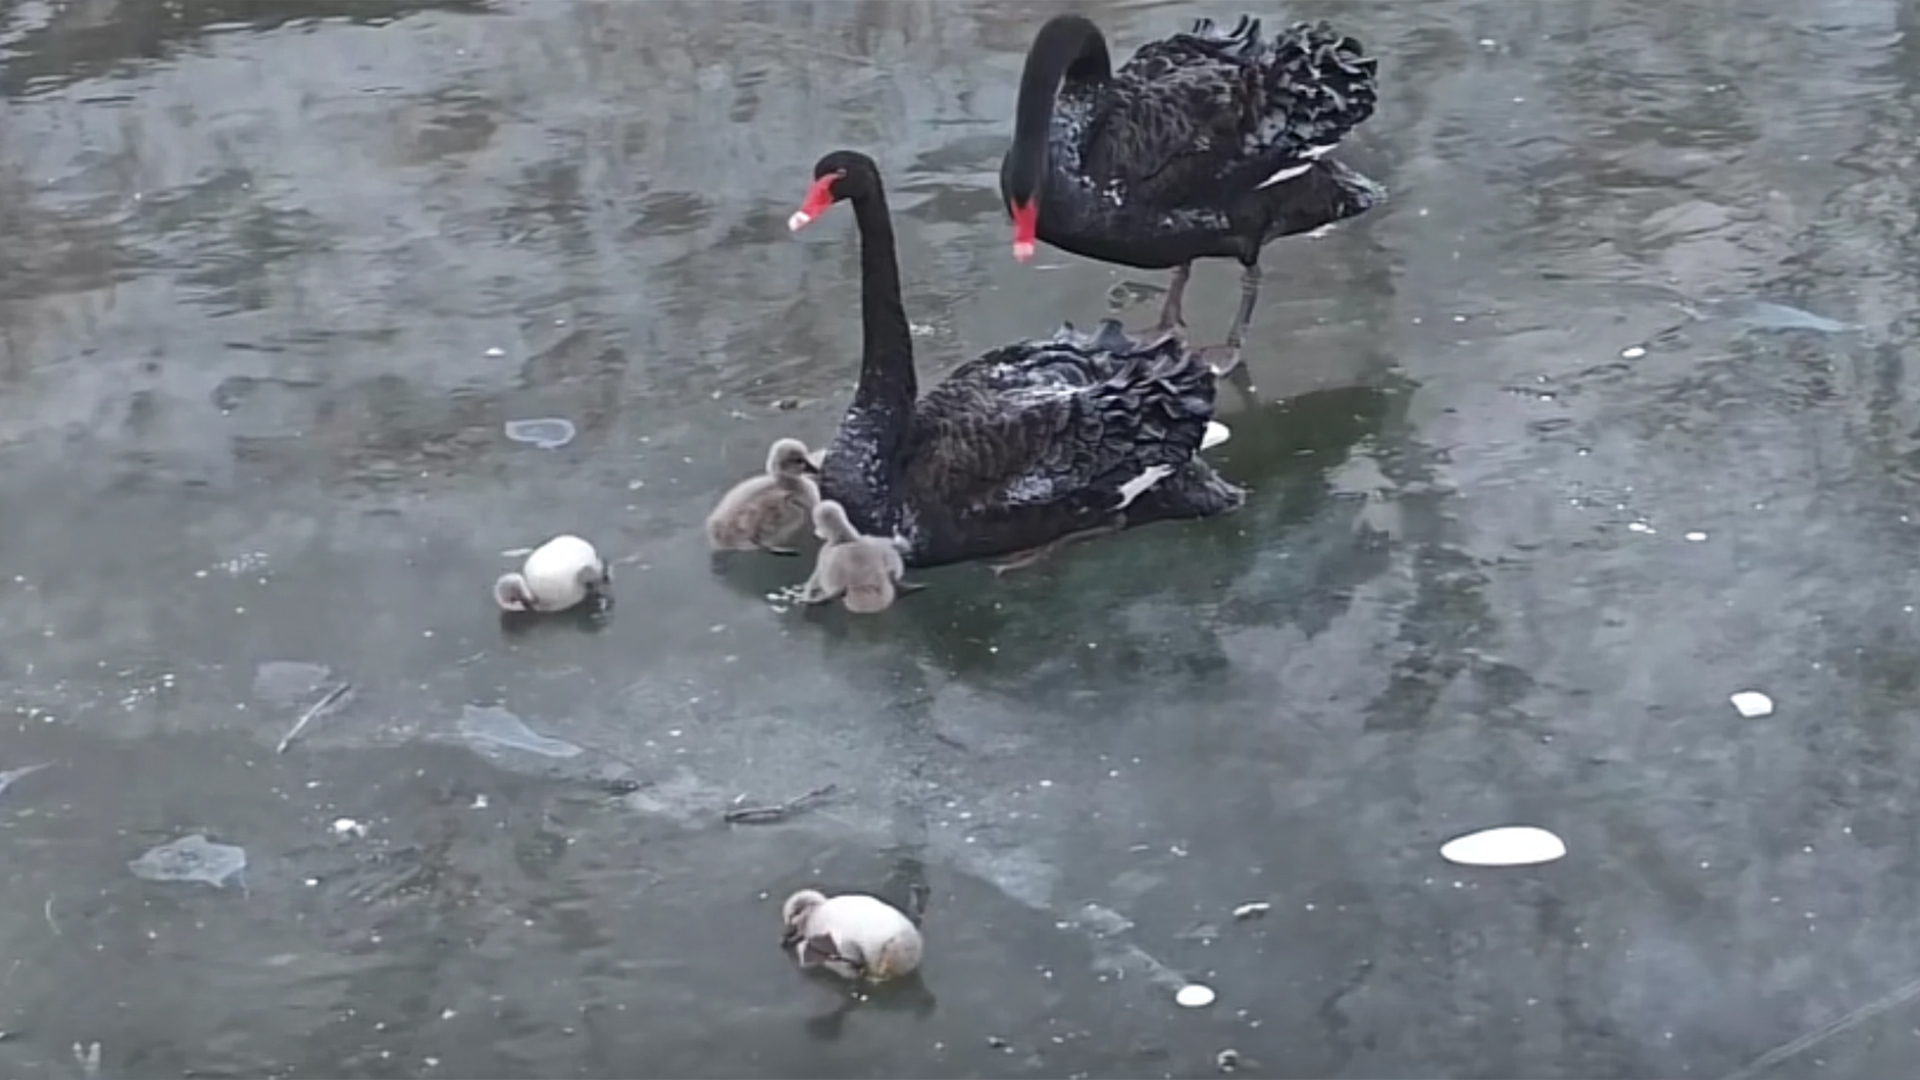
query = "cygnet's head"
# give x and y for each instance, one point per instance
(831, 525)
(793, 913)
(788, 457)
(513, 593)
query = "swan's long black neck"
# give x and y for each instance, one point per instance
(886, 343)
(1068, 47)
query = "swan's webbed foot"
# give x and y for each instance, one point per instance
(1023, 559)
(774, 549)
(1222, 359)
(906, 588)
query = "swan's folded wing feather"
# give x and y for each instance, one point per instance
(1229, 106)
(1174, 118)
(1048, 425)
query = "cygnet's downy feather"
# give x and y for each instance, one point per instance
(763, 513)
(864, 570)
(853, 935)
(556, 576)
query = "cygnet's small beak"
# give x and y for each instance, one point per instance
(808, 467)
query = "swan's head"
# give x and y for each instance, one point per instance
(843, 174)
(789, 457)
(831, 525)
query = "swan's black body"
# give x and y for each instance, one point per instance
(1205, 144)
(1026, 444)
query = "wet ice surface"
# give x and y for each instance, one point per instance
(288, 682)
(492, 726)
(1766, 315)
(190, 858)
(10, 777)
(274, 281)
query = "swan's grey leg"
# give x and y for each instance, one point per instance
(1171, 313)
(1224, 358)
(1172, 317)
(1022, 560)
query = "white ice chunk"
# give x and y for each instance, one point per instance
(1510, 845)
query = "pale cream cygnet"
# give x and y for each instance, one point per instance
(762, 513)
(866, 570)
(556, 576)
(853, 935)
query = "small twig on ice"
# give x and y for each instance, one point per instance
(307, 717)
(766, 815)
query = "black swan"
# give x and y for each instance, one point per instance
(1204, 145)
(1025, 448)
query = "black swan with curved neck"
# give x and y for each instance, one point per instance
(1207, 144)
(1027, 447)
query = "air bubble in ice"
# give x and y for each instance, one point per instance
(546, 433)
(190, 858)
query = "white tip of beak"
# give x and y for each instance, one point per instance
(1023, 250)
(800, 220)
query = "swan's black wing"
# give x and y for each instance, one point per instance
(1059, 425)
(1228, 109)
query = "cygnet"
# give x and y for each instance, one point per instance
(853, 935)
(763, 512)
(556, 576)
(866, 570)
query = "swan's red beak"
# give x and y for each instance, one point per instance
(819, 200)
(1026, 223)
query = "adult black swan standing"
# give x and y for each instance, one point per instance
(1204, 145)
(1029, 446)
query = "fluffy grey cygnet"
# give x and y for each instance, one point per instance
(853, 935)
(865, 570)
(762, 513)
(557, 575)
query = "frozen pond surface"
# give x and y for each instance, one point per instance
(1602, 420)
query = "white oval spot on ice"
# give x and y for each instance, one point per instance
(1193, 996)
(1752, 704)
(1510, 845)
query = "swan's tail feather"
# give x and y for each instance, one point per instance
(1153, 414)
(1193, 491)
(1112, 337)
(1245, 33)
(1109, 337)
(1319, 85)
